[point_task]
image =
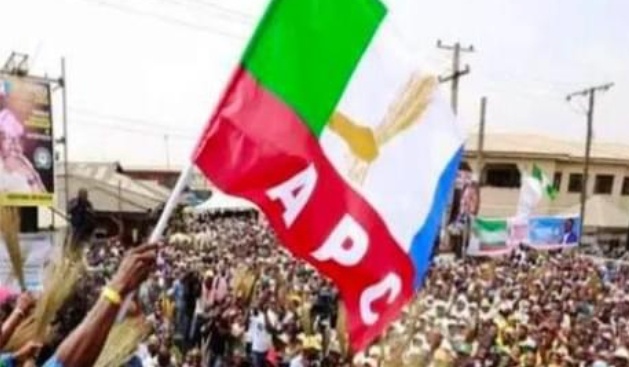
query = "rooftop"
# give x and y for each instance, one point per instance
(542, 145)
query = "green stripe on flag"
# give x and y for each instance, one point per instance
(547, 187)
(538, 174)
(305, 51)
(490, 231)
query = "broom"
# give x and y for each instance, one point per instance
(402, 344)
(10, 230)
(341, 329)
(122, 342)
(404, 113)
(61, 277)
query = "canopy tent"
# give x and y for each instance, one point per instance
(221, 201)
(600, 212)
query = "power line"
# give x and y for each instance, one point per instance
(166, 19)
(133, 120)
(135, 130)
(242, 16)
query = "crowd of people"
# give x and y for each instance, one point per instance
(223, 292)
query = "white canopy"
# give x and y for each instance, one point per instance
(221, 201)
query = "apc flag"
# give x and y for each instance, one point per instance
(344, 144)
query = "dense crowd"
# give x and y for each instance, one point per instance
(224, 293)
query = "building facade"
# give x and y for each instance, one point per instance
(506, 158)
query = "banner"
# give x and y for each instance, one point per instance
(26, 143)
(499, 236)
(548, 233)
(36, 251)
(489, 237)
(466, 197)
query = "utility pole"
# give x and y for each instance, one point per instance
(454, 77)
(457, 72)
(66, 162)
(481, 138)
(591, 94)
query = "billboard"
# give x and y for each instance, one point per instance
(554, 232)
(26, 143)
(500, 236)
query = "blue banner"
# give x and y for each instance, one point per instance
(554, 232)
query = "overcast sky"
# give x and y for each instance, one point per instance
(141, 70)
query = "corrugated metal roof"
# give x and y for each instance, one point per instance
(110, 191)
(534, 144)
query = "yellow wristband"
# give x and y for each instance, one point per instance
(112, 296)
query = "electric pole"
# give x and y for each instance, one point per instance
(457, 72)
(454, 77)
(481, 138)
(66, 161)
(591, 94)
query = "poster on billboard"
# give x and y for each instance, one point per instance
(26, 143)
(547, 233)
(36, 251)
(500, 236)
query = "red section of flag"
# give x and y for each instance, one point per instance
(255, 142)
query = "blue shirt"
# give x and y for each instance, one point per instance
(53, 362)
(7, 360)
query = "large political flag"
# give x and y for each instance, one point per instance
(345, 145)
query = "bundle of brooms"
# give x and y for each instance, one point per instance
(400, 345)
(10, 231)
(122, 341)
(60, 278)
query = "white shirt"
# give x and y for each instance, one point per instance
(260, 338)
(297, 361)
(143, 353)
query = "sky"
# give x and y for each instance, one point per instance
(144, 75)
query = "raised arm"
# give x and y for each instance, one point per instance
(83, 346)
(24, 304)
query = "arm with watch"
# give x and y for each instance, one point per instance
(83, 346)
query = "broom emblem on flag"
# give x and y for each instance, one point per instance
(366, 143)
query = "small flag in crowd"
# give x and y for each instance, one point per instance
(534, 188)
(346, 146)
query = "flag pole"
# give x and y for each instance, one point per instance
(160, 227)
(171, 203)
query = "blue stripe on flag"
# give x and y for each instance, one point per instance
(424, 240)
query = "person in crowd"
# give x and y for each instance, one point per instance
(236, 298)
(82, 218)
(84, 344)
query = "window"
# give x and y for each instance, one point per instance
(557, 181)
(625, 186)
(575, 182)
(604, 184)
(502, 175)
